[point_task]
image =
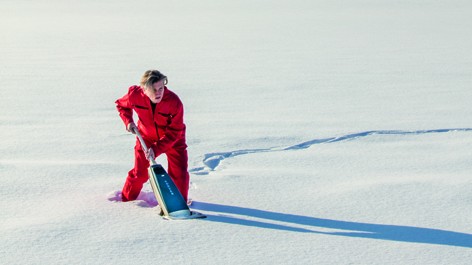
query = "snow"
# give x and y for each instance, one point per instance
(319, 132)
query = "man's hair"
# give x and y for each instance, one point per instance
(152, 76)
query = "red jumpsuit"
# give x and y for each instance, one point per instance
(163, 130)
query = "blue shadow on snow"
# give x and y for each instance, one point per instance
(352, 229)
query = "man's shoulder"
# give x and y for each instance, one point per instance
(171, 96)
(135, 89)
(136, 92)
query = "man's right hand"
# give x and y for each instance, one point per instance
(131, 127)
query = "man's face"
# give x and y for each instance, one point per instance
(156, 92)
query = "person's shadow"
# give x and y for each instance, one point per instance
(350, 229)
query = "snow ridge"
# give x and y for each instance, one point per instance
(212, 160)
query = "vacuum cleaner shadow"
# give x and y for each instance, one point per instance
(351, 229)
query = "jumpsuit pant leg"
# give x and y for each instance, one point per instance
(177, 159)
(136, 176)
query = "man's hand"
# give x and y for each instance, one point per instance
(149, 154)
(131, 127)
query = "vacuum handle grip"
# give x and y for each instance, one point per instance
(143, 145)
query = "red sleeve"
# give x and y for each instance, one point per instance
(125, 109)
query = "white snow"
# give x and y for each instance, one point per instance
(319, 132)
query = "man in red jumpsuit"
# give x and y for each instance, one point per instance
(161, 124)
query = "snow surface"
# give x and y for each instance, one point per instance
(319, 132)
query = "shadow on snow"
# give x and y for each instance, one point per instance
(345, 228)
(351, 229)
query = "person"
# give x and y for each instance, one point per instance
(160, 115)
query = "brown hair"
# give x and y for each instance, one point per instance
(152, 76)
